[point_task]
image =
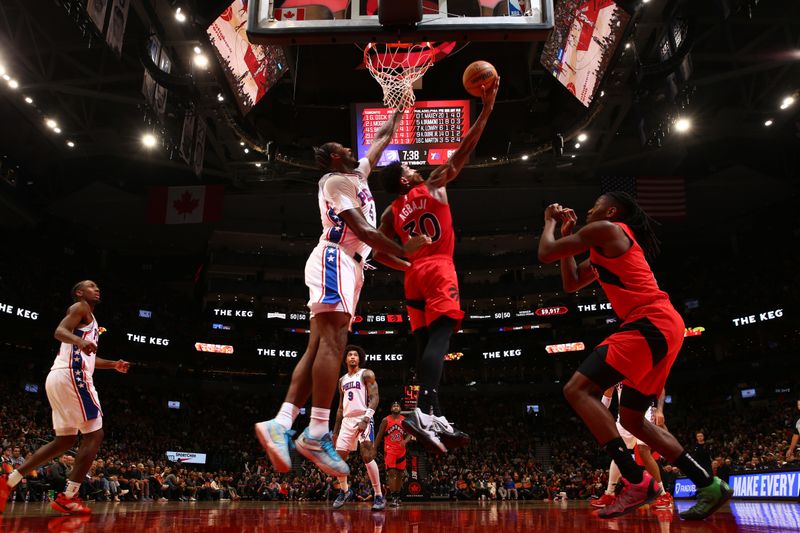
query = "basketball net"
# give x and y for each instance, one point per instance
(396, 66)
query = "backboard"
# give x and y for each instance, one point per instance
(356, 21)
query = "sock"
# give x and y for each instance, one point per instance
(699, 475)
(613, 477)
(319, 422)
(343, 483)
(287, 415)
(431, 364)
(72, 489)
(375, 477)
(622, 456)
(14, 478)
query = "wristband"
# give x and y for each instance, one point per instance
(369, 413)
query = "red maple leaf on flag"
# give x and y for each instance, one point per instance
(288, 15)
(186, 204)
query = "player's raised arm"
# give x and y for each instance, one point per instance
(448, 172)
(573, 276)
(383, 137)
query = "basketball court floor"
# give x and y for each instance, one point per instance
(446, 517)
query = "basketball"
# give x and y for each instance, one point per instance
(477, 74)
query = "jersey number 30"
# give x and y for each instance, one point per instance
(429, 225)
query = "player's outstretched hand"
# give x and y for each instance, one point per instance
(553, 212)
(122, 366)
(568, 221)
(415, 243)
(489, 93)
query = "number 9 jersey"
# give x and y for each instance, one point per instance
(431, 284)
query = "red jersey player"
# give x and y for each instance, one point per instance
(431, 285)
(394, 450)
(619, 238)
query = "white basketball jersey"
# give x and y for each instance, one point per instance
(354, 394)
(70, 357)
(648, 415)
(334, 230)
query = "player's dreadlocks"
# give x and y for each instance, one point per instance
(639, 221)
(322, 155)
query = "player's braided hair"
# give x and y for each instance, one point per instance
(640, 223)
(322, 155)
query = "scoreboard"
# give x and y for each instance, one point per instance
(428, 134)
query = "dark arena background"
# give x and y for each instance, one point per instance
(163, 149)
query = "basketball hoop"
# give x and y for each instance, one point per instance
(396, 66)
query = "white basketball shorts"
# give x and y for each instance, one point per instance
(350, 436)
(334, 280)
(76, 407)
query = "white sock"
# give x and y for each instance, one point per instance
(72, 489)
(613, 476)
(426, 419)
(320, 418)
(287, 415)
(14, 478)
(375, 477)
(343, 483)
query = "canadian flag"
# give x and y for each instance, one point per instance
(185, 205)
(290, 14)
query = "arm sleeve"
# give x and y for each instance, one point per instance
(363, 167)
(341, 194)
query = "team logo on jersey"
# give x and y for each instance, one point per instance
(453, 292)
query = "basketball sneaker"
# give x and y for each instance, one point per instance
(73, 505)
(632, 496)
(602, 501)
(709, 499)
(321, 452)
(276, 441)
(421, 426)
(379, 504)
(448, 434)
(343, 497)
(664, 501)
(395, 503)
(5, 491)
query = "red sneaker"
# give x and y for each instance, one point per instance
(5, 491)
(664, 501)
(632, 496)
(65, 505)
(602, 501)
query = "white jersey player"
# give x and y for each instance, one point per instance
(355, 428)
(76, 407)
(334, 275)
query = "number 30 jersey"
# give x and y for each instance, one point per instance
(418, 213)
(354, 394)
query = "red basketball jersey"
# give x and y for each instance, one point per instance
(394, 434)
(418, 212)
(627, 280)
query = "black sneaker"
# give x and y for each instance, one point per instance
(424, 434)
(395, 503)
(448, 434)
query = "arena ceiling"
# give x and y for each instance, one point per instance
(743, 60)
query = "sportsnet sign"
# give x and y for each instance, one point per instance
(187, 457)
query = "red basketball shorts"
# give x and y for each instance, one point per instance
(431, 288)
(395, 459)
(646, 345)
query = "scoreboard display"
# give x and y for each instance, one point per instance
(428, 134)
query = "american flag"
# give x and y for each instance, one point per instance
(661, 197)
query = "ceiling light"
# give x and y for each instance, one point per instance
(201, 60)
(13, 84)
(149, 140)
(28, 100)
(627, 45)
(494, 158)
(52, 124)
(577, 145)
(525, 157)
(768, 122)
(2, 70)
(180, 16)
(241, 143)
(198, 50)
(6, 77)
(220, 97)
(258, 165)
(71, 144)
(682, 125)
(582, 137)
(57, 129)
(787, 102)
(573, 156)
(247, 150)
